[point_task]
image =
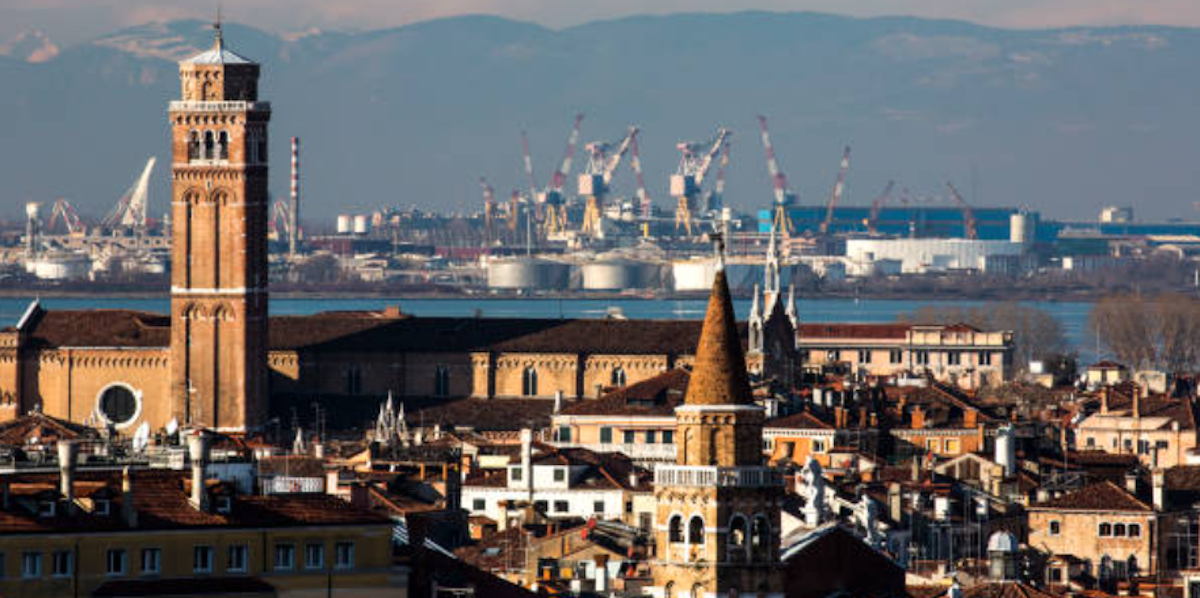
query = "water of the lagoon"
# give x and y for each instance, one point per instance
(1072, 315)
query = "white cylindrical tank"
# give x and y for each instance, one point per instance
(362, 224)
(1006, 449)
(612, 275)
(1021, 227)
(527, 274)
(60, 266)
(693, 275)
(344, 224)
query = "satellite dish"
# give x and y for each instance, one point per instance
(172, 427)
(141, 438)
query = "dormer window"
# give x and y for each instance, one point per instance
(224, 504)
(103, 506)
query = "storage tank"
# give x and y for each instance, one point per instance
(527, 274)
(612, 275)
(344, 224)
(1021, 227)
(60, 266)
(362, 224)
(693, 275)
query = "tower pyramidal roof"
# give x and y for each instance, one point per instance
(719, 374)
(218, 54)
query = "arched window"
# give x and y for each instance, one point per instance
(698, 590)
(223, 145)
(696, 530)
(193, 146)
(618, 376)
(441, 381)
(760, 535)
(1135, 530)
(737, 538)
(1119, 530)
(1105, 530)
(529, 386)
(210, 149)
(669, 590)
(675, 529)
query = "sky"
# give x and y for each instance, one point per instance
(72, 21)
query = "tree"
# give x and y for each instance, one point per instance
(1159, 332)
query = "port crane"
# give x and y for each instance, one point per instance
(71, 220)
(876, 206)
(714, 201)
(695, 160)
(969, 224)
(784, 196)
(838, 188)
(596, 180)
(130, 211)
(552, 200)
(635, 163)
(489, 205)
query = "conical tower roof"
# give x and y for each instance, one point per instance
(719, 374)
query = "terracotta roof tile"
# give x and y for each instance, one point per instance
(1101, 496)
(798, 421)
(659, 395)
(719, 376)
(854, 331)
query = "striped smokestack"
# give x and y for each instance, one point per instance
(294, 212)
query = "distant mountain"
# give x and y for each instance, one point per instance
(1060, 120)
(30, 46)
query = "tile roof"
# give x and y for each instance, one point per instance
(798, 421)
(1006, 589)
(719, 375)
(98, 328)
(605, 471)
(855, 331)
(1100, 496)
(659, 395)
(44, 428)
(161, 501)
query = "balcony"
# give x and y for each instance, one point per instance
(725, 477)
(238, 106)
(637, 451)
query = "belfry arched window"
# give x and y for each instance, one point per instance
(193, 145)
(529, 382)
(696, 530)
(223, 145)
(618, 376)
(210, 146)
(760, 536)
(675, 529)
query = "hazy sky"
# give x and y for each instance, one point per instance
(70, 21)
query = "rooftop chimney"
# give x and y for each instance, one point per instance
(1131, 480)
(198, 452)
(1158, 479)
(67, 452)
(128, 512)
(527, 460)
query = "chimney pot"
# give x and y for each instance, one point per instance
(198, 451)
(67, 452)
(128, 509)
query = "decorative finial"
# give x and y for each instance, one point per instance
(218, 41)
(719, 246)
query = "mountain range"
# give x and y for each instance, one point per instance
(1064, 121)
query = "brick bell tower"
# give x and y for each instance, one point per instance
(717, 521)
(219, 242)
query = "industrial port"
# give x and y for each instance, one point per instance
(598, 231)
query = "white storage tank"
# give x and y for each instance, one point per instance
(1021, 227)
(362, 224)
(527, 274)
(60, 266)
(344, 224)
(694, 275)
(611, 275)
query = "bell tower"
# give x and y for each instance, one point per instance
(219, 242)
(718, 511)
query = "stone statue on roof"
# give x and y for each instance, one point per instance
(812, 488)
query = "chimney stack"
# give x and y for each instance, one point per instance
(895, 500)
(1131, 480)
(128, 510)
(1159, 483)
(527, 460)
(68, 450)
(198, 451)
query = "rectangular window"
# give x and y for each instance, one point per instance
(539, 506)
(954, 358)
(921, 357)
(628, 437)
(985, 358)
(63, 559)
(605, 435)
(833, 356)
(116, 561)
(102, 506)
(516, 474)
(952, 446)
(1055, 528)
(344, 555)
(651, 437)
(560, 474)
(1056, 575)
(805, 356)
(314, 556)
(598, 507)
(668, 437)
(864, 356)
(1091, 442)
(285, 557)
(564, 433)
(933, 445)
(31, 564)
(151, 561)
(560, 506)
(896, 356)
(818, 446)
(237, 559)
(479, 504)
(202, 559)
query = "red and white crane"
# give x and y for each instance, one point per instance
(716, 199)
(71, 220)
(784, 196)
(555, 208)
(635, 162)
(838, 188)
